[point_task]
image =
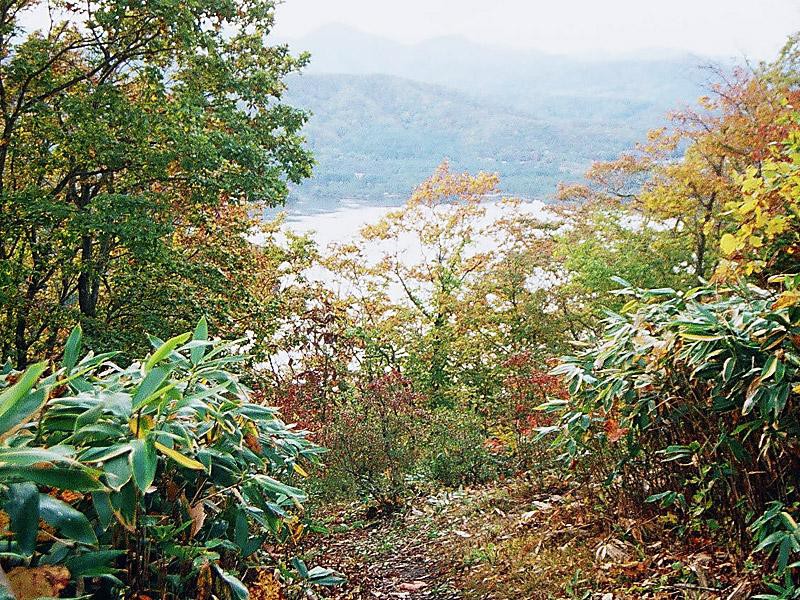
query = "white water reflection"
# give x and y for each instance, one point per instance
(344, 225)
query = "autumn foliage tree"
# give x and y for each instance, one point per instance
(686, 173)
(442, 277)
(406, 357)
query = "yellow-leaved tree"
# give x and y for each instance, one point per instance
(766, 238)
(685, 176)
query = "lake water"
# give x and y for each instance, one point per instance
(344, 225)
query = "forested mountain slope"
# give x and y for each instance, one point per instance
(385, 114)
(373, 135)
(512, 75)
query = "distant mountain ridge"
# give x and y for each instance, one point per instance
(385, 113)
(376, 136)
(474, 68)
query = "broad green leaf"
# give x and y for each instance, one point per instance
(783, 553)
(241, 535)
(789, 520)
(277, 487)
(56, 477)
(241, 530)
(769, 367)
(552, 405)
(664, 498)
(149, 386)
(80, 384)
(17, 403)
(22, 506)
(118, 470)
(93, 564)
(90, 417)
(96, 433)
(728, 368)
(620, 281)
(72, 348)
(770, 540)
(103, 508)
(165, 392)
(165, 349)
(233, 589)
(91, 360)
(31, 456)
(781, 395)
(125, 503)
(144, 461)
(98, 455)
(67, 520)
(301, 567)
(737, 449)
(200, 334)
(257, 412)
(324, 577)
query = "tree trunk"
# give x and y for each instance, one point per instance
(88, 287)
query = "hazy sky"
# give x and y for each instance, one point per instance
(756, 28)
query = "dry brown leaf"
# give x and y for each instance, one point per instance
(413, 586)
(38, 582)
(741, 591)
(198, 515)
(266, 587)
(204, 582)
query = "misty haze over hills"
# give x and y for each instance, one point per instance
(384, 114)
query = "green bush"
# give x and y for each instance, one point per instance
(690, 400)
(160, 478)
(456, 452)
(373, 437)
(383, 445)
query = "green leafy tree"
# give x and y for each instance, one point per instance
(120, 124)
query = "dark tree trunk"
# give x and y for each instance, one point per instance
(20, 343)
(88, 281)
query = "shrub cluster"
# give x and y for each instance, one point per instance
(162, 477)
(689, 400)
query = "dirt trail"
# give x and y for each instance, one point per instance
(519, 540)
(393, 558)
